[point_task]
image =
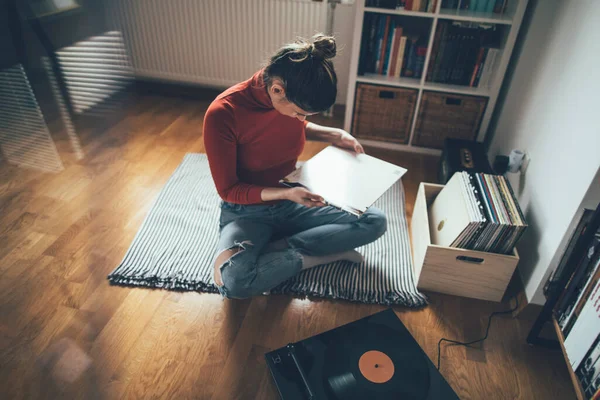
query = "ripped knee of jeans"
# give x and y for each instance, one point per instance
(241, 246)
(227, 254)
(236, 278)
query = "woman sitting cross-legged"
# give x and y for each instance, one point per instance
(253, 134)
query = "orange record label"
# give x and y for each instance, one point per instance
(376, 367)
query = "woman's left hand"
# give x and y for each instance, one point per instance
(347, 141)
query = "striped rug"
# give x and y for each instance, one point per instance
(175, 246)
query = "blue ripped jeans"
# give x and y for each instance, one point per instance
(308, 231)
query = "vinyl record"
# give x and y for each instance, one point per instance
(376, 366)
(375, 362)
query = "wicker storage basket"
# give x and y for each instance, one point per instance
(383, 113)
(443, 115)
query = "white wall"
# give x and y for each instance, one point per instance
(551, 111)
(343, 28)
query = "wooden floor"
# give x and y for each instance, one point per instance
(65, 333)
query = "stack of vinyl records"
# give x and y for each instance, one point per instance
(477, 211)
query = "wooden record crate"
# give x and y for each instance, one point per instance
(443, 115)
(383, 113)
(451, 270)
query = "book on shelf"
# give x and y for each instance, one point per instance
(483, 6)
(420, 60)
(411, 57)
(434, 51)
(407, 5)
(395, 47)
(387, 45)
(477, 212)
(387, 49)
(400, 57)
(500, 6)
(464, 54)
(384, 26)
(431, 6)
(487, 68)
(480, 5)
(389, 4)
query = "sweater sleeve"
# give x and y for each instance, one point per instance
(220, 141)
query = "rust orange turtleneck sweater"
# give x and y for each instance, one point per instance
(250, 145)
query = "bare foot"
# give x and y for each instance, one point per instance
(352, 256)
(312, 261)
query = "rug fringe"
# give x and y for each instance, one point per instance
(389, 298)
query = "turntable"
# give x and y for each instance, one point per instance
(373, 358)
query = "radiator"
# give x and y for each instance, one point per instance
(210, 42)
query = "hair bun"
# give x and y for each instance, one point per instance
(323, 46)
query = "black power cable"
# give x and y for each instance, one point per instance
(478, 340)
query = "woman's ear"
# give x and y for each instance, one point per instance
(277, 90)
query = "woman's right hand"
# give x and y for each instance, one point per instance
(304, 197)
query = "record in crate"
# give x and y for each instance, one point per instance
(477, 212)
(373, 358)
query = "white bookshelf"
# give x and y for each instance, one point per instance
(511, 22)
